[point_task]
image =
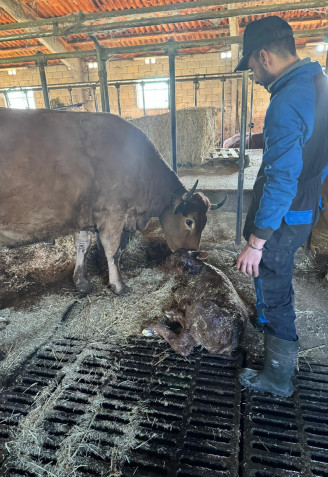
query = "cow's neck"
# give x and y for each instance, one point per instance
(165, 190)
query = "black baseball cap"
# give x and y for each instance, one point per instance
(261, 33)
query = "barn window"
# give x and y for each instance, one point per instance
(156, 93)
(20, 99)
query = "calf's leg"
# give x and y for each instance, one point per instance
(182, 343)
(82, 244)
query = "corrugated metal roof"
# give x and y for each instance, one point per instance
(182, 31)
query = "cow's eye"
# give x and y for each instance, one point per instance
(189, 223)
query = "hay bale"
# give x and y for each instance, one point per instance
(196, 133)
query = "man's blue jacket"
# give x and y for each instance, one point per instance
(288, 185)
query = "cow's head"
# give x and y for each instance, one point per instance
(184, 221)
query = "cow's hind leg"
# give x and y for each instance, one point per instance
(82, 244)
(110, 236)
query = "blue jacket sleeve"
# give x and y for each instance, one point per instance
(284, 134)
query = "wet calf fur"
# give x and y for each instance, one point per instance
(208, 312)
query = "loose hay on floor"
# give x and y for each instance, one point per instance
(103, 320)
(112, 319)
(30, 436)
(26, 330)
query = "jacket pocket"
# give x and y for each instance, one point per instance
(298, 217)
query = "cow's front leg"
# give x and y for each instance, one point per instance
(82, 244)
(110, 238)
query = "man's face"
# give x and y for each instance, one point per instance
(261, 74)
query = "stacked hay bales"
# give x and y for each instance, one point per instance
(197, 133)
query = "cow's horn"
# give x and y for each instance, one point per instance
(220, 204)
(188, 195)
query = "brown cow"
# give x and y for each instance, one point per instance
(64, 172)
(209, 310)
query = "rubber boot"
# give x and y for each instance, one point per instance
(280, 359)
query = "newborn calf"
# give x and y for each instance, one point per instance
(209, 311)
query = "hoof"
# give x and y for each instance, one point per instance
(149, 332)
(3, 323)
(84, 287)
(124, 290)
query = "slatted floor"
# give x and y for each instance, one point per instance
(191, 417)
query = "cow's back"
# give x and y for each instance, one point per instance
(56, 166)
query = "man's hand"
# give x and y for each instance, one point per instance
(250, 257)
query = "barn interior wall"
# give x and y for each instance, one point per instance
(209, 93)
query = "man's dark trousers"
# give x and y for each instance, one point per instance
(274, 290)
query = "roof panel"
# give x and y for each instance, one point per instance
(299, 19)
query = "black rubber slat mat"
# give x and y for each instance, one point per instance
(166, 415)
(288, 437)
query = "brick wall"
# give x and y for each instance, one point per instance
(209, 93)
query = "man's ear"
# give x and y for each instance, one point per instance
(263, 57)
(266, 58)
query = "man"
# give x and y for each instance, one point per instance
(286, 193)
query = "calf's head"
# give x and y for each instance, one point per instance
(184, 222)
(186, 261)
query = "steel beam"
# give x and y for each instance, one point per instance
(222, 112)
(243, 121)
(118, 89)
(173, 111)
(144, 22)
(81, 17)
(196, 88)
(41, 65)
(158, 47)
(94, 91)
(142, 83)
(70, 89)
(14, 8)
(128, 82)
(251, 115)
(102, 73)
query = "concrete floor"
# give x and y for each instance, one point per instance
(222, 176)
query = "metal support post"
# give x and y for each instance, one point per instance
(173, 110)
(118, 90)
(143, 97)
(41, 63)
(243, 121)
(70, 94)
(27, 100)
(326, 71)
(95, 99)
(251, 124)
(222, 112)
(196, 86)
(102, 59)
(104, 94)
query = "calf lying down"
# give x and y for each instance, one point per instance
(209, 311)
